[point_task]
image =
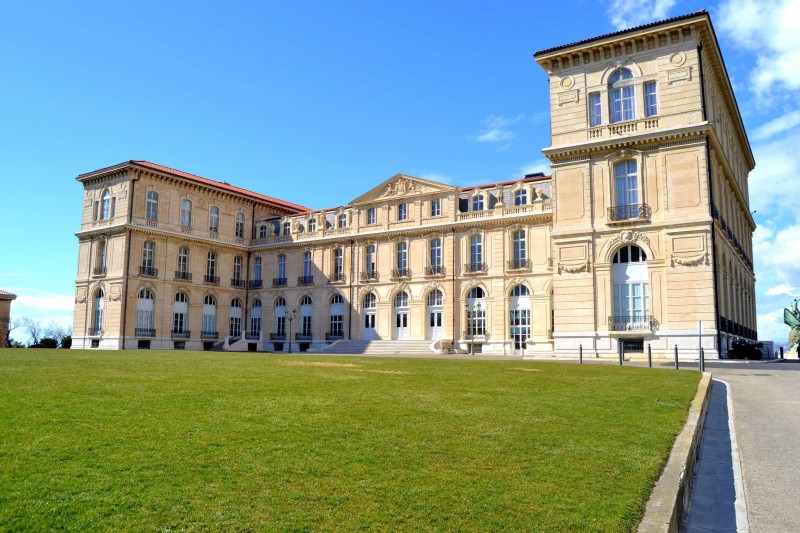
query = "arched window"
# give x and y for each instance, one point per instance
(435, 315)
(186, 213)
(255, 319)
(151, 206)
(519, 290)
(520, 197)
(401, 300)
(144, 313)
(209, 329)
(477, 202)
(239, 225)
(180, 315)
(105, 201)
(631, 292)
(626, 190)
(336, 318)
(149, 259)
(97, 319)
(342, 221)
(519, 306)
(476, 293)
(435, 298)
(370, 301)
(305, 300)
(476, 312)
(337, 299)
(235, 329)
(306, 314)
(621, 96)
(280, 302)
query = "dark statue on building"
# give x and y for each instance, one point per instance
(791, 317)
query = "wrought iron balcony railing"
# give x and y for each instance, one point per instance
(278, 282)
(253, 335)
(148, 271)
(401, 273)
(334, 336)
(632, 323)
(209, 335)
(305, 280)
(183, 275)
(95, 332)
(338, 277)
(145, 332)
(631, 212)
(302, 336)
(368, 275)
(435, 270)
(255, 283)
(180, 333)
(237, 282)
(277, 336)
(475, 268)
(518, 264)
(213, 280)
(99, 271)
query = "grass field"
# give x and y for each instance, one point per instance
(172, 441)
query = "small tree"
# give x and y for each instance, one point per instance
(34, 329)
(13, 324)
(57, 332)
(66, 342)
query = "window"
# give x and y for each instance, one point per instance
(100, 268)
(477, 203)
(621, 95)
(280, 318)
(650, 104)
(257, 269)
(211, 266)
(148, 259)
(255, 319)
(595, 117)
(213, 219)
(237, 268)
(235, 329)
(435, 298)
(520, 316)
(338, 264)
(180, 313)
(436, 256)
(476, 312)
(436, 207)
(144, 313)
(105, 202)
(287, 228)
(342, 221)
(239, 225)
(97, 321)
(370, 260)
(151, 206)
(209, 326)
(521, 197)
(370, 301)
(520, 257)
(312, 224)
(626, 189)
(263, 232)
(186, 213)
(337, 316)
(183, 260)
(630, 289)
(629, 254)
(402, 211)
(306, 313)
(282, 266)
(401, 300)
(402, 258)
(307, 264)
(371, 215)
(476, 252)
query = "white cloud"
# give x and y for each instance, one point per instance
(625, 14)
(41, 306)
(771, 326)
(538, 165)
(433, 176)
(497, 129)
(779, 125)
(771, 29)
(780, 290)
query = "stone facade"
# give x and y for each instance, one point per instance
(5, 314)
(642, 232)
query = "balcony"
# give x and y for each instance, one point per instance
(209, 335)
(335, 336)
(435, 270)
(305, 280)
(237, 282)
(148, 271)
(278, 282)
(632, 324)
(255, 283)
(302, 336)
(475, 268)
(180, 334)
(186, 276)
(401, 273)
(211, 280)
(518, 264)
(277, 336)
(629, 213)
(253, 335)
(370, 275)
(99, 271)
(145, 332)
(338, 277)
(95, 332)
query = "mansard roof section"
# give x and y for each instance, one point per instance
(403, 186)
(286, 207)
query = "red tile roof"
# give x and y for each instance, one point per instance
(5, 295)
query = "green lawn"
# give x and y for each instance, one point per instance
(173, 441)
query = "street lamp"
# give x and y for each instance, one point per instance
(291, 317)
(469, 328)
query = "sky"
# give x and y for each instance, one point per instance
(317, 102)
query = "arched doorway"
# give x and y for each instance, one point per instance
(369, 307)
(435, 304)
(631, 292)
(520, 317)
(400, 309)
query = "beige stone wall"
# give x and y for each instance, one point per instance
(5, 314)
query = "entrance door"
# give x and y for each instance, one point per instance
(435, 312)
(369, 333)
(401, 325)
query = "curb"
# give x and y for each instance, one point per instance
(670, 496)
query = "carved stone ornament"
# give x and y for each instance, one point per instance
(366, 289)
(567, 82)
(689, 261)
(402, 186)
(586, 266)
(80, 297)
(513, 282)
(677, 59)
(630, 237)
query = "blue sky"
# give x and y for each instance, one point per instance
(316, 102)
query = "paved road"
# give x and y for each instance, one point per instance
(766, 407)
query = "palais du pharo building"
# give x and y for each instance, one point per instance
(642, 232)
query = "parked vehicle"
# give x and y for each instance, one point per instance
(742, 349)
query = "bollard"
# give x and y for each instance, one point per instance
(677, 366)
(649, 355)
(702, 360)
(621, 351)
(781, 352)
(580, 353)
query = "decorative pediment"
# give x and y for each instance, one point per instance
(402, 186)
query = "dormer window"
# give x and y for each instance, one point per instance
(621, 96)
(402, 211)
(371, 215)
(287, 228)
(521, 197)
(477, 203)
(342, 221)
(312, 225)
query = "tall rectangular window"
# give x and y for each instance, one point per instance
(151, 208)
(280, 326)
(211, 265)
(213, 219)
(183, 260)
(257, 269)
(371, 215)
(370, 262)
(436, 207)
(337, 325)
(594, 110)
(240, 225)
(282, 266)
(519, 248)
(650, 104)
(305, 326)
(402, 258)
(476, 250)
(186, 214)
(237, 268)
(148, 256)
(402, 211)
(436, 254)
(338, 264)
(307, 264)
(626, 189)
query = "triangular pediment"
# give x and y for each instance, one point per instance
(403, 186)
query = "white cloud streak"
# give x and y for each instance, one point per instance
(625, 14)
(497, 129)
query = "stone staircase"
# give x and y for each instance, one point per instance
(377, 348)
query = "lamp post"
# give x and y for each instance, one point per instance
(467, 324)
(291, 316)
